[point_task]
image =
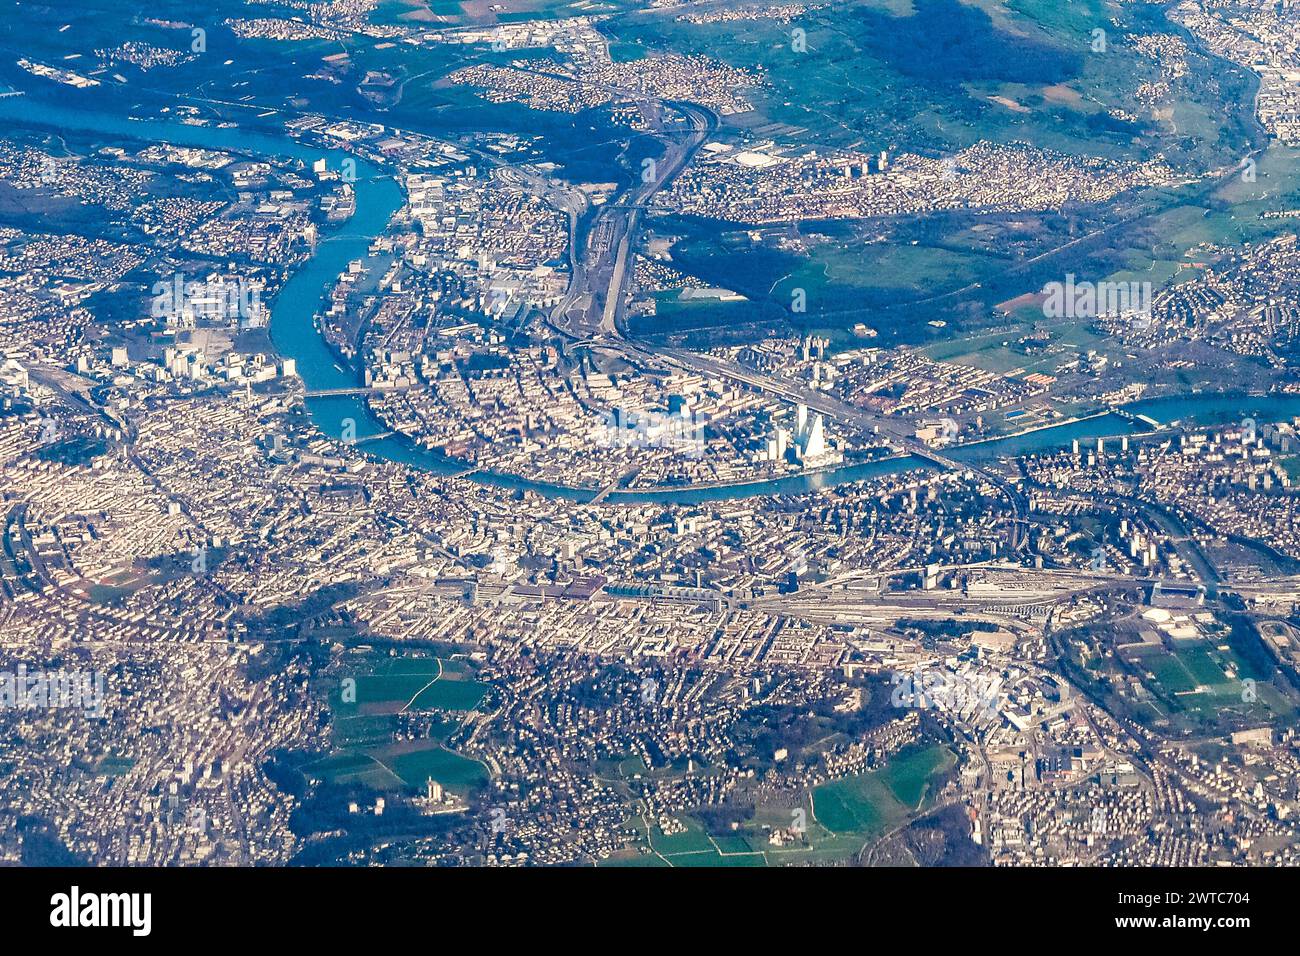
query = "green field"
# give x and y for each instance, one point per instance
(394, 768)
(364, 750)
(453, 771)
(840, 818)
(942, 75)
(1172, 675)
(393, 684)
(1198, 693)
(114, 765)
(872, 802)
(925, 73)
(1202, 667)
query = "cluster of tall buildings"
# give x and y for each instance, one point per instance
(805, 445)
(868, 167)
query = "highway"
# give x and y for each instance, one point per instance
(894, 429)
(594, 304)
(591, 313)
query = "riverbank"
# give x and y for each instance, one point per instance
(295, 334)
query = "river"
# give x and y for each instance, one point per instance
(378, 197)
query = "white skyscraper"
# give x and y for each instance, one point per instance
(809, 436)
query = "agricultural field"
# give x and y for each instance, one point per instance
(365, 716)
(837, 819)
(943, 74)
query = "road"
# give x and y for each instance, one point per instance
(866, 422)
(592, 310)
(594, 304)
